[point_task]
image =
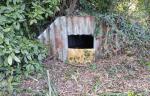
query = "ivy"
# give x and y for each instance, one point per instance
(121, 34)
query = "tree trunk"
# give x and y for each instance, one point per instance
(72, 7)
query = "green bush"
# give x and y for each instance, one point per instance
(19, 53)
(21, 56)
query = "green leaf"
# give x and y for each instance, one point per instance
(17, 26)
(1, 38)
(16, 59)
(10, 60)
(7, 41)
(33, 21)
(23, 7)
(14, 2)
(28, 67)
(17, 50)
(32, 68)
(25, 60)
(7, 29)
(40, 57)
(29, 57)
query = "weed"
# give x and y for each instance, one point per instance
(93, 66)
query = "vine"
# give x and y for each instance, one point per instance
(118, 35)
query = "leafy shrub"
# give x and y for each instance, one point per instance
(24, 57)
(19, 53)
(99, 6)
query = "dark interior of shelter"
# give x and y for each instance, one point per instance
(80, 41)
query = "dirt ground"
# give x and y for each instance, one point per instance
(119, 74)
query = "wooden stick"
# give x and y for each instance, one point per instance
(49, 84)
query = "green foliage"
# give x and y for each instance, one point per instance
(100, 6)
(26, 16)
(19, 53)
(132, 93)
(144, 5)
(137, 9)
(121, 34)
(41, 9)
(96, 86)
(21, 56)
(93, 67)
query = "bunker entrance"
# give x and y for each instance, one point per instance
(80, 41)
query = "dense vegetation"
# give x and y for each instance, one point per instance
(127, 22)
(19, 52)
(22, 20)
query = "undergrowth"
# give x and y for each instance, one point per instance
(20, 54)
(118, 35)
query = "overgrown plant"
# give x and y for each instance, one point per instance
(118, 34)
(19, 53)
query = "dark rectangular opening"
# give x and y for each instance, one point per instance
(80, 41)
